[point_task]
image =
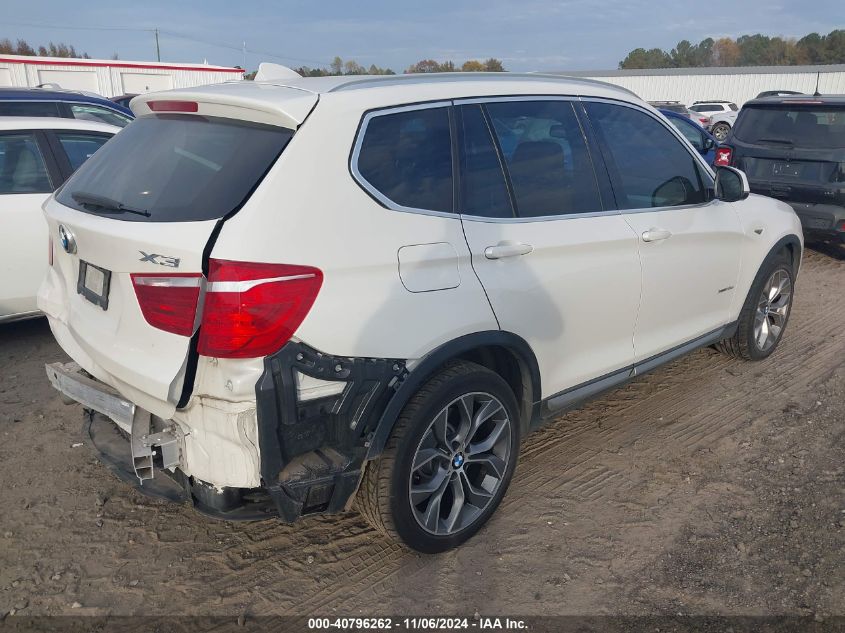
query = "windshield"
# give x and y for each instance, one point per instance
(175, 168)
(813, 126)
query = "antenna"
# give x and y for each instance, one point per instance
(817, 93)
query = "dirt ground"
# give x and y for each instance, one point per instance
(711, 486)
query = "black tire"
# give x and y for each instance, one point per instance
(743, 344)
(384, 497)
(721, 128)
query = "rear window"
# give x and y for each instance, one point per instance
(680, 109)
(407, 157)
(817, 126)
(175, 168)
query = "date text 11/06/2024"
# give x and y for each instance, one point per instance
(421, 624)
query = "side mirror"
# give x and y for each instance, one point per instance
(672, 193)
(707, 143)
(731, 184)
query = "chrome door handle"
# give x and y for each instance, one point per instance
(507, 249)
(655, 235)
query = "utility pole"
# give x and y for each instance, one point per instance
(244, 49)
(158, 50)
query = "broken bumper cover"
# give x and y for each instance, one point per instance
(312, 453)
(229, 504)
(144, 452)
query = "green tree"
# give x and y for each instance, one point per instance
(493, 65)
(813, 48)
(642, 58)
(472, 65)
(684, 54)
(746, 50)
(22, 47)
(704, 52)
(835, 47)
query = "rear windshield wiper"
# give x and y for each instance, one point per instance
(105, 204)
(785, 141)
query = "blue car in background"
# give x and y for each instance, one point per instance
(700, 138)
(65, 104)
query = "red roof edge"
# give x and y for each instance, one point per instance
(119, 64)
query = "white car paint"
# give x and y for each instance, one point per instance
(717, 112)
(589, 296)
(23, 240)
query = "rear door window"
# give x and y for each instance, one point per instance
(690, 131)
(649, 165)
(30, 108)
(22, 168)
(406, 158)
(87, 112)
(816, 126)
(80, 146)
(176, 168)
(484, 191)
(546, 155)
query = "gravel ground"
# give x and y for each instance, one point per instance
(711, 486)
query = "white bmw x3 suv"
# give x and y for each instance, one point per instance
(286, 298)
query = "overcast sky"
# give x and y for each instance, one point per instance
(525, 34)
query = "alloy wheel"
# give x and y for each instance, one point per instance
(772, 310)
(721, 132)
(460, 463)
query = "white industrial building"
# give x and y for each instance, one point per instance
(737, 84)
(109, 77)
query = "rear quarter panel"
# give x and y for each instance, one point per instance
(309, 210)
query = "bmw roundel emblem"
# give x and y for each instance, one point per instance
(67, 239)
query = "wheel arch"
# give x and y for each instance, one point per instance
(789, 243)
(505, 353)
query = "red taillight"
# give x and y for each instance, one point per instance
(173, 106)
(169, 302)
(723, 156)
(251, 310)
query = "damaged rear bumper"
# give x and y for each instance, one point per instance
(312, 450)
(145, 451)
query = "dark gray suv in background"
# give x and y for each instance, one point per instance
(793, 148)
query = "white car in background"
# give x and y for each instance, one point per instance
(37, 155)
(287, 298)
(722, 116)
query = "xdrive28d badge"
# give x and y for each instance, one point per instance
(67, 240)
